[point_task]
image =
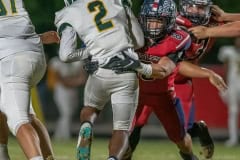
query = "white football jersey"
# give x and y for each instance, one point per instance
(17, 33)
(101, 24)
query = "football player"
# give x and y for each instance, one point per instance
(230, 29)
(45, 143)
(186, 91)
(194, 13)
(157, 18)
(108, 29)
(22, 65)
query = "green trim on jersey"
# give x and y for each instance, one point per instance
(62, 27)
(13, 6)
(136, 6)
(127, 3)
(3, 10)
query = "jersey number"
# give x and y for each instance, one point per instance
(3, 10)
(98, 6)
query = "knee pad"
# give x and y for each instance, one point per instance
(15, 121)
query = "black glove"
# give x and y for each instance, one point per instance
(90, 66)
(128, 64)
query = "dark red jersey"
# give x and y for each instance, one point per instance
(198, 47)
(176, 42)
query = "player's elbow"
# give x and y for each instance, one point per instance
(63, 57)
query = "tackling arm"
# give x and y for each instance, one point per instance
(222, 16)
(163, 68)
(227, 30)
(193, 71)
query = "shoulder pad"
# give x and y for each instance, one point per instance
(60, 20)
(181, 39)
(182, 21)
(59, 15)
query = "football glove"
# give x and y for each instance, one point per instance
(90, 66)
(127, 64)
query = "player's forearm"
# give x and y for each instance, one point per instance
(231, 17)
(226, 30)
(167, 65)
(163, 68)
(74, 56)
(193, 71)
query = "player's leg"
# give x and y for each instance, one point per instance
(195, 129)
(88, 116)
(45, 142)
(94, 100)
(3, 138)
(140, 119)
(124, 103)
(170, 113)
(16, 81)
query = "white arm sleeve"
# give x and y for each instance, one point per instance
(68, 51)
(135, 29)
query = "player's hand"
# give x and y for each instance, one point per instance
(49, 37)
(163, 68)
(217, 13)
(200, 32)
(217, 81)
(90, 66)
(158, 72)
(126, 64)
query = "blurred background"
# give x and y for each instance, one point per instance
(209, 105)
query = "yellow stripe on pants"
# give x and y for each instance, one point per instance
(37, 104)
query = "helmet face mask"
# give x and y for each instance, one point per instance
(197, 11)
(157, 18)
(155, 27)
(68, 2)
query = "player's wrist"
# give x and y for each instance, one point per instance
(145, 69)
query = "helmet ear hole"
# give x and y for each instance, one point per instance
(157, 18)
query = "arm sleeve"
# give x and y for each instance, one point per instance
(135, 29)
(68, 51)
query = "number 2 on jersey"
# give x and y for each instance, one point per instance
(3, 10)
(98, 6)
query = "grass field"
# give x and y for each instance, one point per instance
(157, 149)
